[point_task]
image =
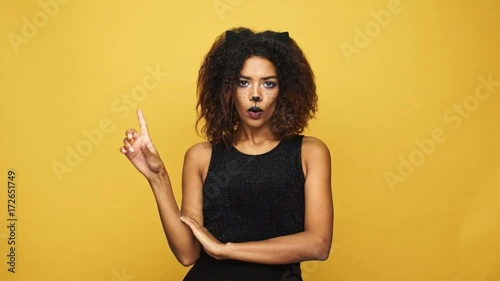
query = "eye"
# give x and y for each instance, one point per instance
(243, 83)
(270, 84)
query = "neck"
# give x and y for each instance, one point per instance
(254, 135)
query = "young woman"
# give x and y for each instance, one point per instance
(257, 196)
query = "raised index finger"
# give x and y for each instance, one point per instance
(142, 123)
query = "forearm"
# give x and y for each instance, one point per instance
(293, 248)
(180, 238)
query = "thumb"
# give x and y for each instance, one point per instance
(148, 149)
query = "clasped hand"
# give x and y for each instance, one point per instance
(210, 244)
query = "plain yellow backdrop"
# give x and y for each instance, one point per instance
(408, 96)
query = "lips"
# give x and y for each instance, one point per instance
(255, 112)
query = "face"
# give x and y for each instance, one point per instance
(257, 92)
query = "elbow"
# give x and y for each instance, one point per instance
(186, 261)
(323, 256)
(322, 250)
(187, 256)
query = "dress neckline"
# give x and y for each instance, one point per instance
(261, 154)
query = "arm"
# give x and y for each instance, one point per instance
(180, 238)
(139, 149)
(313, 243)
(196, 162)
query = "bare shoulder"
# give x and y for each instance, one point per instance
(315, 155)
(200, 151)
(199, 156)
(312, 146)
(201, 147)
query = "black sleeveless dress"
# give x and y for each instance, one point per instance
(252, 198)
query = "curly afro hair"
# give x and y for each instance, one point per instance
(220, 72)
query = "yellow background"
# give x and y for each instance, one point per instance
(100, 222)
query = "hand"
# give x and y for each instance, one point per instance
(140, 150)
(210, 244)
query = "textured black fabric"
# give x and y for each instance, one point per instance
(252, 198)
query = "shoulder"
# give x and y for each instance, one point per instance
(199, 154)
(313, 145)
(315, 153)
(201, 147)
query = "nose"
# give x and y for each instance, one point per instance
(256, 94)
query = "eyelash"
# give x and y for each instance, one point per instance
(270, 84)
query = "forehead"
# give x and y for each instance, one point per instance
(258, 67)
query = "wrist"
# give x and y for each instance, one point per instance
(226, 250)
(159, 178)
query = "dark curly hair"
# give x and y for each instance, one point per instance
(220, 73)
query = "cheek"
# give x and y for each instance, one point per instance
(271, 96)
(239, 98)
(241, 94)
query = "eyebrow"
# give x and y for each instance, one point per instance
(263, 78)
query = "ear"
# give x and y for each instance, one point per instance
(283, 37)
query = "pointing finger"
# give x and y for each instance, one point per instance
(142, 123)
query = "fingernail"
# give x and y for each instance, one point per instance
(129, 136)
(131, 149)
(123, 150)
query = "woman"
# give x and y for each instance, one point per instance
(257, 195)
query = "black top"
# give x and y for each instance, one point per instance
(252, 198)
